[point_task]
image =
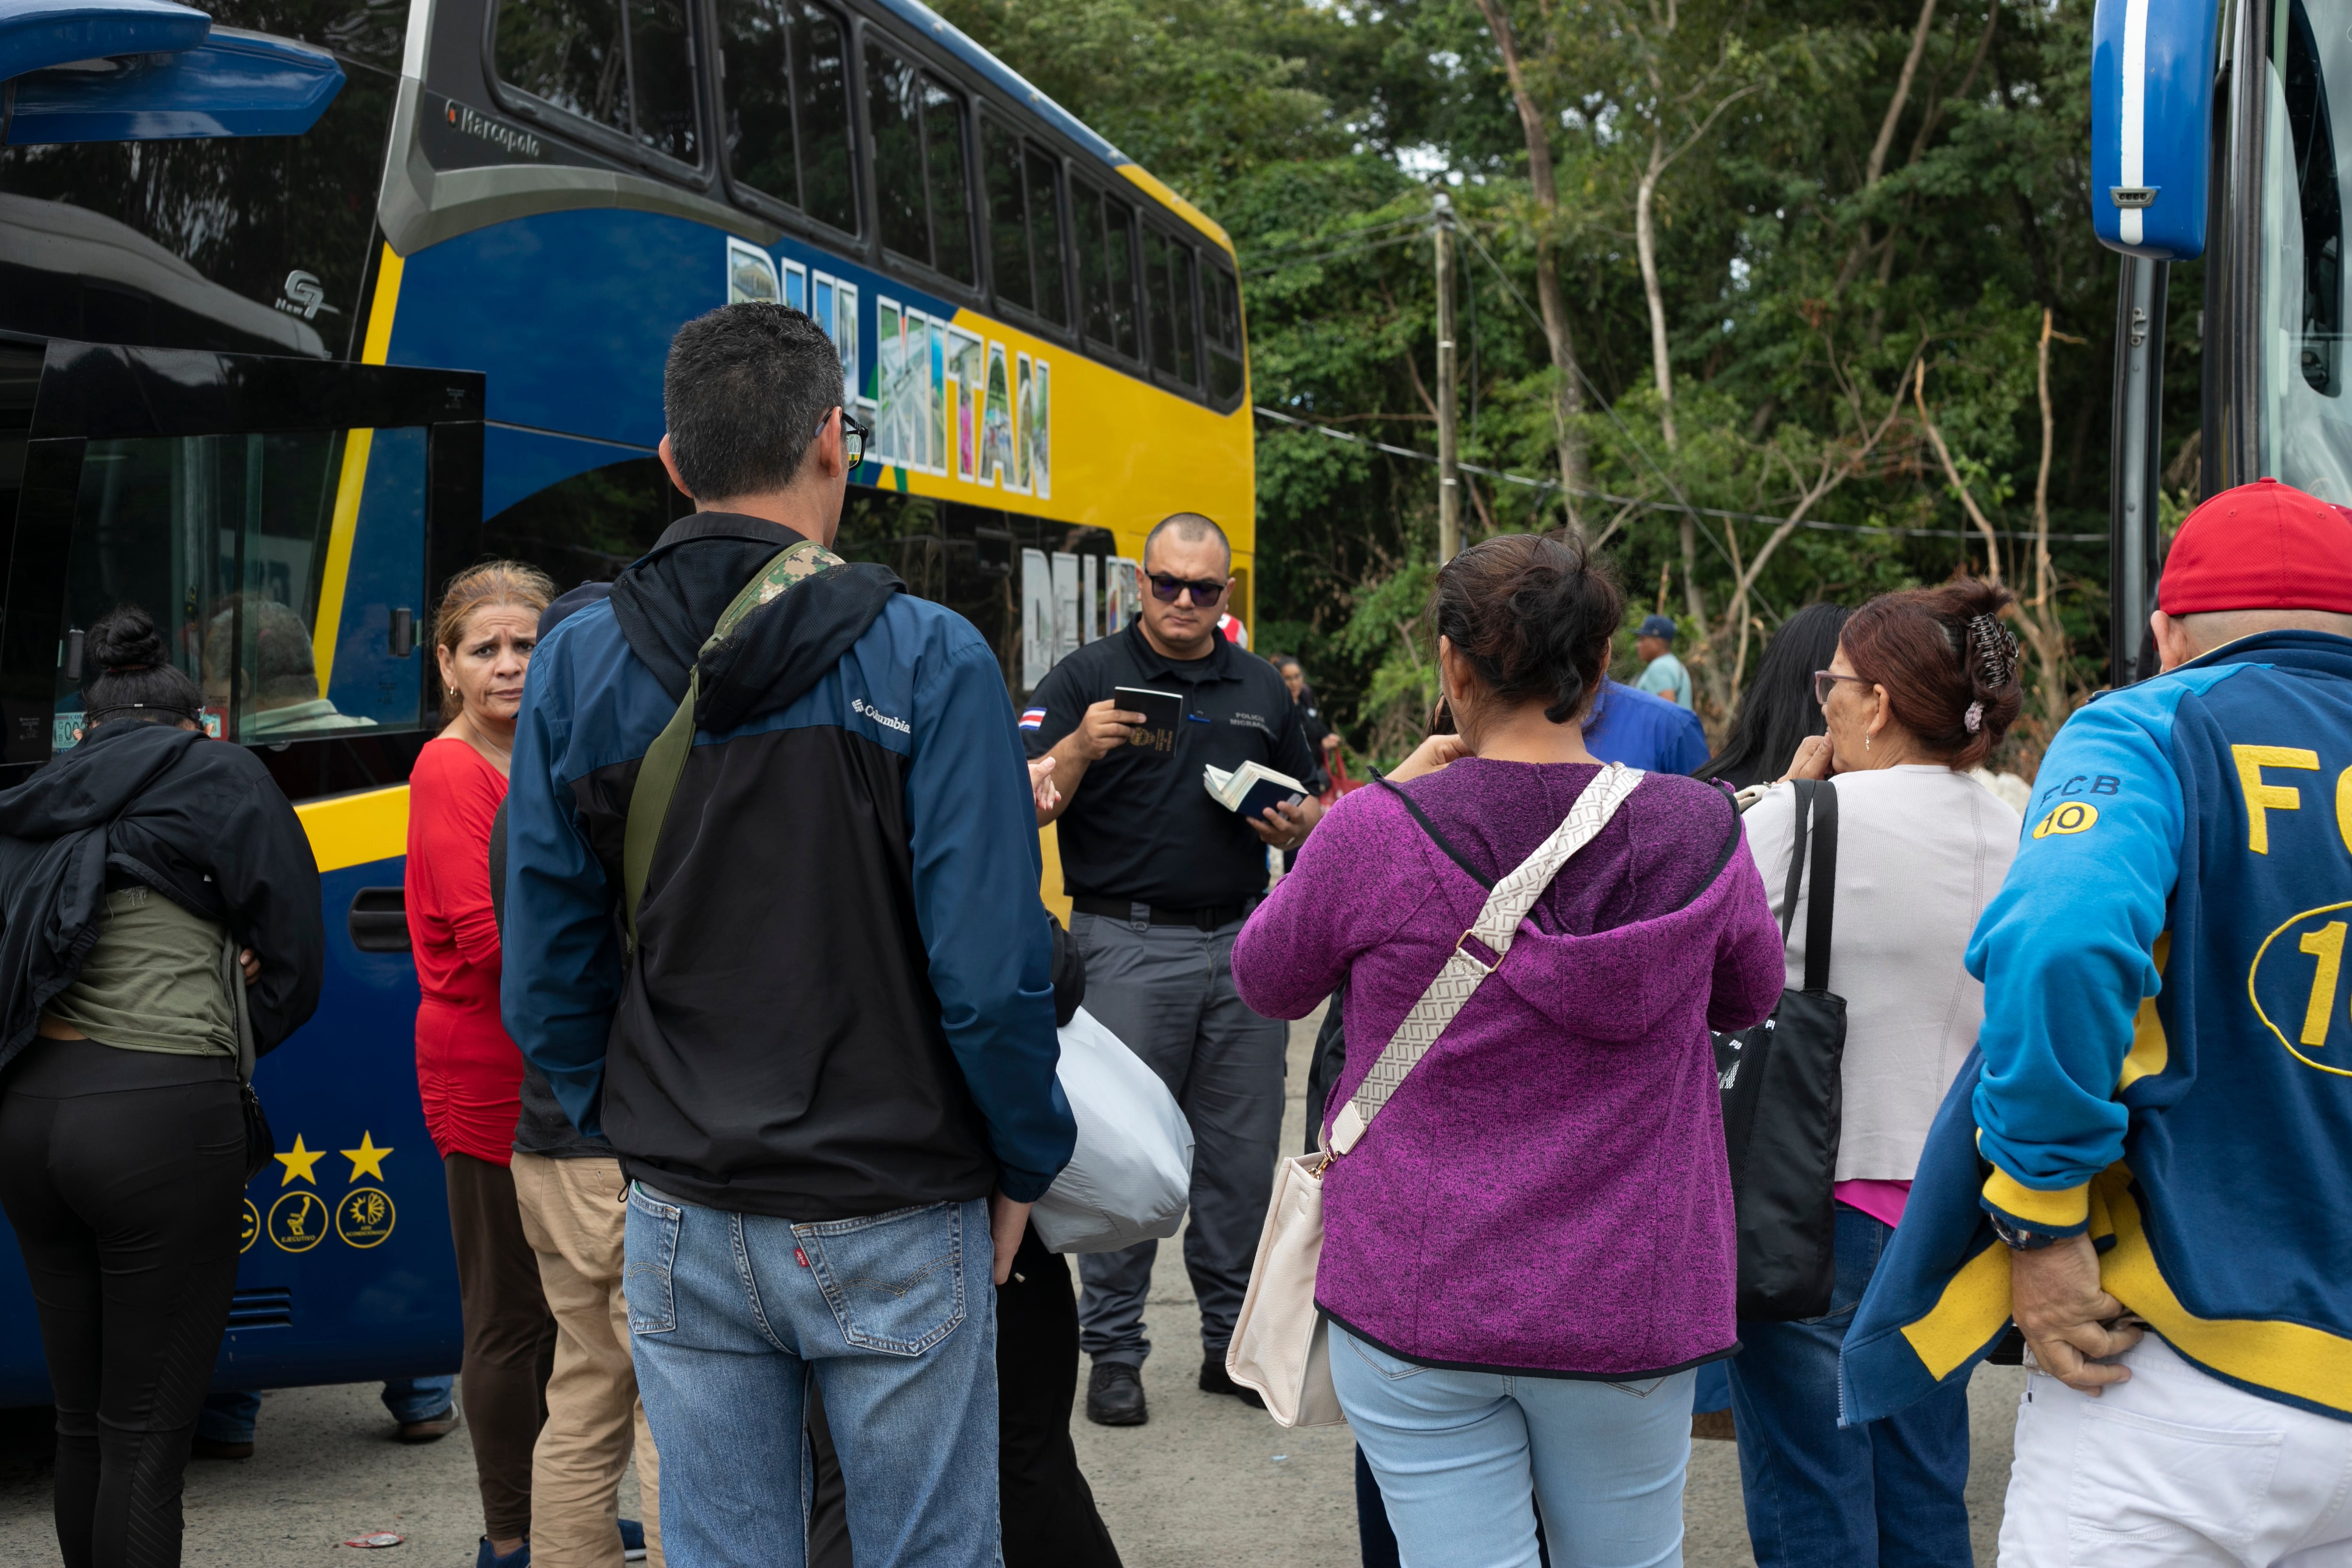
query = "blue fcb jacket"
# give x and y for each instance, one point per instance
(2166, 1059)
(841, 1002)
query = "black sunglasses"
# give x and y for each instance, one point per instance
(1165, 588)
(854, 437)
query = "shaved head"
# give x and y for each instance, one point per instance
(1192, 529)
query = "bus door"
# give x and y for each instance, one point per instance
(283, 520)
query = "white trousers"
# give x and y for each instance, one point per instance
(2174, 1467)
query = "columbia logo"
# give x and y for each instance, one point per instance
(859, 705)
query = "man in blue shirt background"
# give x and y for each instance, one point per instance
(1643, 732)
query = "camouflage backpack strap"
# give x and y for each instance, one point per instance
(665, 761)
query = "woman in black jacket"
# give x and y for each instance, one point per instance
(127, 866)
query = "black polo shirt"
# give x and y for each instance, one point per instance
(1141, 826)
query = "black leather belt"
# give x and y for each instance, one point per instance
(1210, 918)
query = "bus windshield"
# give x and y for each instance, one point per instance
(2305, 420)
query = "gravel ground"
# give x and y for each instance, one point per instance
(1206, 1484)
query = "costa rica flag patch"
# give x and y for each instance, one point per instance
(1033, 718)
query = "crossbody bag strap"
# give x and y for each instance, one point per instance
(1496, 927)
(665, 760)
(1821, 912)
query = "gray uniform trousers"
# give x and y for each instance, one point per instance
(1167, 993)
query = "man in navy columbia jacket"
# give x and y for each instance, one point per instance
(836, 1039)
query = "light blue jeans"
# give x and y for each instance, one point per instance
(1461, 1456)
(894, 1315)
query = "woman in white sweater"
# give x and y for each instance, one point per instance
(1924, 685)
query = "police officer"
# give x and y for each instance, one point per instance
(1159, 875)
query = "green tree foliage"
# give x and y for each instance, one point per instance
(1859, 211)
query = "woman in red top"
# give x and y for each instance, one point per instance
(468, 1072)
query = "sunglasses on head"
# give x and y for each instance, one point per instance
(1165, 588)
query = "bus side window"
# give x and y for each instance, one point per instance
(1094, 265)
(1024, 212)
(588, 528)
(1008, 217)
(1225, 334)
(1118, 264)
(625, 65)
(277, 565)
(921, 177)
(1046, 235)
(787, 106)
(1168, 280)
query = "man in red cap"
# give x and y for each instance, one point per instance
(2151, 1169)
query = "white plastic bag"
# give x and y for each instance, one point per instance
(1131, 1174)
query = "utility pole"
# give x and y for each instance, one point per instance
(1449, 485)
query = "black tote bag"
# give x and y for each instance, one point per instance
(1781, 1102)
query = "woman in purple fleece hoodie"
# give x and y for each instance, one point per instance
(1531, 1249)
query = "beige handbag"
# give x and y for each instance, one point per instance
(1281, 1343)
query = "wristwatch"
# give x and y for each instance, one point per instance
(2019, 1241)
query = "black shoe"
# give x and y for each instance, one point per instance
(1215, 1379)
(214, 1448)
(1115, 1396)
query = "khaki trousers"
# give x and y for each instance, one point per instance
(572, 1216)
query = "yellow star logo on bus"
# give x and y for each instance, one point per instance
(367, 1157)
(298, 1163)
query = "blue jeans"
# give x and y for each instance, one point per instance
(1888, 1494)
(1466, 1460)
(894, 1315)
(230, 1417)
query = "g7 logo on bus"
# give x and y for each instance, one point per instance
(2072, 817)
(2286, 983)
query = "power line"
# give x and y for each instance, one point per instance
(1411, 220)
(1532, 483)
(1284, 264)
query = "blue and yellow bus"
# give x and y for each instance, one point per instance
(308, 304)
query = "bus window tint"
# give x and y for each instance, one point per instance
(1008, 217)
(1180, 290)
(1225, 334)
(1045, 237)
(661, 67)
(950, 182)
(821, 91)
(788, 106)
(1118, 259)
(369, 30)
(2302, 417)
(920, 174)
(897, 116)
(569, 52)
(1094, 264)
(589, 527)
(757, 75)
(224, 540)
(1155, 284)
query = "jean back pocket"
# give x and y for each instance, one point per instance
(650, 1254)
(895, 1281)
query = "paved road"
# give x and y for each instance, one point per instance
(1209, 1483)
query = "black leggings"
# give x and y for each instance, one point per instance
(122, 1172)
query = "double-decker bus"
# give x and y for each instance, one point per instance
(2214, 136)
(308, 304)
